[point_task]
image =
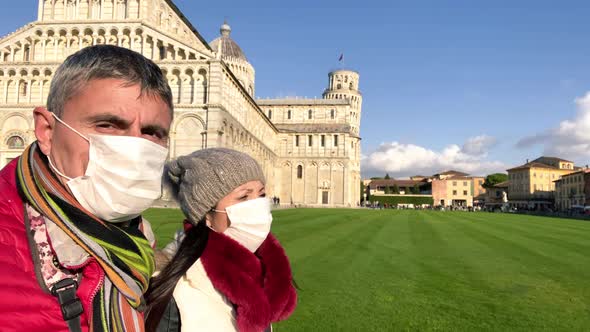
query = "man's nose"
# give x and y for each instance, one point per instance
(134, 130)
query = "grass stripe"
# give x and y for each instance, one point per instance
(389, 270)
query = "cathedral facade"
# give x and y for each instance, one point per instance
(309, 148)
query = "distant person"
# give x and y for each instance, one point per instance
(76, 254)
(228, 273)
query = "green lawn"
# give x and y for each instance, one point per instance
(387, 270)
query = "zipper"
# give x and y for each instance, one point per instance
(98, 285)
(79, 266)
(90, 315)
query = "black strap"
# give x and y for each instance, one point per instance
(71, 306)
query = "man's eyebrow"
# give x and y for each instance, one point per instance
(154, 128)
(111, 118)
(123, 123)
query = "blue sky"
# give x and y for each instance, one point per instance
(474, 85)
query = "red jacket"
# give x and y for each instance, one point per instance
(24, 304)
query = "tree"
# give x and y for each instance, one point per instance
(494, 179)
(416, 189)
(376, 178)
(395, 189)
(387, 191)
(387, 176)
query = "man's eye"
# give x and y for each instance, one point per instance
(105, 125)
(154, 133)
(263, 195)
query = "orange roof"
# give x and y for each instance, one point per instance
(531, 165)
(452, 172)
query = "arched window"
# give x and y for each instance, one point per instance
(270, 114)
(289, 114)
(299, 172)
(15, 142)
(23, 89)
(332, 114)
(310, 114)
(339, 86)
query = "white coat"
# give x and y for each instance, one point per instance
(201, 306)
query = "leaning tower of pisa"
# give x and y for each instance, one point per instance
(344, 84)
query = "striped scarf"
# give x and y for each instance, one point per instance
(123, 252)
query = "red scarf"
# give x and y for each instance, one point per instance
(259, 285)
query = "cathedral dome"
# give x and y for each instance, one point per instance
(227, 46)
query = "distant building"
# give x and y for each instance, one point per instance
(448, 174)
(447, 189)
(532, 185)
(403, 187)
(496, 194)
(456, 189)
(572, 190)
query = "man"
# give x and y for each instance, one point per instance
(74, 251)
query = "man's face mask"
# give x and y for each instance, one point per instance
(123, 177)
(250, 222)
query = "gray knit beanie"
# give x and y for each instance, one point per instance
(201, 179)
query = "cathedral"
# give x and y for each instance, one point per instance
(309, 148)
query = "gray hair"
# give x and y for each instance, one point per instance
(102, 62)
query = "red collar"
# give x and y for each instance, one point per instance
(260, 285)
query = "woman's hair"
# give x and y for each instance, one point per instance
(162, 286)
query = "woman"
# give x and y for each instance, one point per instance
(229, 273)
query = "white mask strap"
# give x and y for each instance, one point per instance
(219, 211)
(67, 125)
(56, 170)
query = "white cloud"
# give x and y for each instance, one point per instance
(570, 139)
(479, 145)
(401, 160)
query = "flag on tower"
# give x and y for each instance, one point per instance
(341, 57)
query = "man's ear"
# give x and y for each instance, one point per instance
(44, 124)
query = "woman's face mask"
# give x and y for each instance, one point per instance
(249, 222)
(243, 215)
